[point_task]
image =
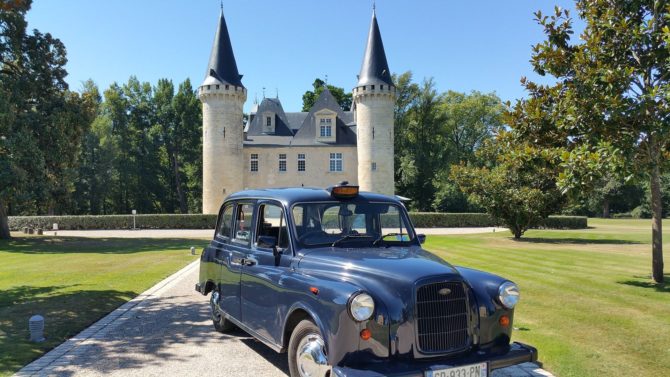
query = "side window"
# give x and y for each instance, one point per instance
(242, 230)
(271, 222)
(226, 221)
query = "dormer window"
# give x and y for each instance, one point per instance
(326, 128)
(326, 123)
(268, 123)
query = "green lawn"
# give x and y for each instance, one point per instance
(588, 303)
(73, 282)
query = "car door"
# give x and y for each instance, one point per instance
(235, 238)
(263, 304)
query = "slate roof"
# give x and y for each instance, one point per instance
(299, 128)
(282, 125)
(307, 133)
(222, 65)
(375, 68)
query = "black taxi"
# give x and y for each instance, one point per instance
(338, 279)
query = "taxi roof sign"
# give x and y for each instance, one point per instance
(343, 190)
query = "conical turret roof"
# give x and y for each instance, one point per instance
(375, 68)
(222, 65)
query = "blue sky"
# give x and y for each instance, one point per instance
(284, 45)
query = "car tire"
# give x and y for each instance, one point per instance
(221, 323)
(306, 351)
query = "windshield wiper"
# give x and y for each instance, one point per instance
(347, 237)
(381, 238)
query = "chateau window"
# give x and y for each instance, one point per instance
(374, 166)
(336, 162)
(326, 131)
(325, 122)
(268, 121)
(282, 162)
(253, 166)
(301, 162)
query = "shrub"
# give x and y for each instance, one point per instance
(564, 222)
(197, 221)
(171, 221)
(641, 212)
(451, 220)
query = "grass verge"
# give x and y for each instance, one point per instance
(73, 282)
(588, 303)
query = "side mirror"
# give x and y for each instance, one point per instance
(422, 238)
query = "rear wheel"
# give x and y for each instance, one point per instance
(307, 352)
(221, 324)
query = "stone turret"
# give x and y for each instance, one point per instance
(374, 100)
(222, 95)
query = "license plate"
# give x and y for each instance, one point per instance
(472, 370)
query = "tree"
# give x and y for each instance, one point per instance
(309, 98)
(422, 153)
(518, 186)
(469, 121)
(406, 94)
(41, 122)
(609, 108)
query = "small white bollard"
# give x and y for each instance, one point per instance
(192, 250)
(134, 213)
(55, 229)
(36, 327)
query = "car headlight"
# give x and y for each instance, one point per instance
(361, 306)
(508, 294)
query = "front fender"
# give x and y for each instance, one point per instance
(329, 311)
(485, 287)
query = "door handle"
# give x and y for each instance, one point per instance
(249, 262)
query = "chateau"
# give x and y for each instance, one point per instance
(278, 149)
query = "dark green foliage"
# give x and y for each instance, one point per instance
(146, 142)
(168, 221)
(434, 131)
(452, 220)
(564, 222)
(516, 185)
(199, 221)
(41, 122)
(343, 97)
(609, 105)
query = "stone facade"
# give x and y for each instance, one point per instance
(374, 117)
(317, 167)
(318, 148)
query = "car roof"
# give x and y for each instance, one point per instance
(291, 195)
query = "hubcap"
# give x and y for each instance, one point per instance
(312, 360)
(213, 305)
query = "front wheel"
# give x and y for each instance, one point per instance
(221, 324)
(307, 352)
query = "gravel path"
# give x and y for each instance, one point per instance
(166, 331)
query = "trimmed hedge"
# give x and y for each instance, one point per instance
(565, 222)
(451, 220)
(198, 221)
(171, 221)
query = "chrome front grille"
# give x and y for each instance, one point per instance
(442, 317)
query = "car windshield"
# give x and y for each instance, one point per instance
(351, 224)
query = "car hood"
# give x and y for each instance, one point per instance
(392, 265)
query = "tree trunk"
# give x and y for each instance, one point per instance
(657, 225)
(606, 209)
(4, 223)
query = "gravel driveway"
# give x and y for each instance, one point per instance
(166, 331)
